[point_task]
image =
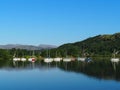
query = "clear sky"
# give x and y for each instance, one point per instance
(56, 21)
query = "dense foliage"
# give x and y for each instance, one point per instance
(95, 46)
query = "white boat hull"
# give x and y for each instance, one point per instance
(31, 59)
(115, 60)
(16, 59)
(67, 60)
(48, 60)
(57, 59)
(23, 59)
(81, 59)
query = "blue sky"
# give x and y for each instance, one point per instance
(56, 22)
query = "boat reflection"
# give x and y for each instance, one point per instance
(100, 69)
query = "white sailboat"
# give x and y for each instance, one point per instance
(82, 59)
(23, 59)
(115, 60)
(57, 59)
(30, 59)
(67, 59)
(15, 58)
(48, 59)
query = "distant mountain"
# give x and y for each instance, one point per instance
(100, 44)
(44, 46)
(28, 47)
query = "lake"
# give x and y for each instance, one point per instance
(59, 76)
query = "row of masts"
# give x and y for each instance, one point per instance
(57, 59)
(32, 59)
(23, 59)
(48, 59)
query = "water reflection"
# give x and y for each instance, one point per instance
(100, 69)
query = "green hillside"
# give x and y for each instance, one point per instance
(99, 45)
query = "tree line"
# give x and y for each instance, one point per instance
(101, 45)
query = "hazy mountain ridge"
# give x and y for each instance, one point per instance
(28, 47)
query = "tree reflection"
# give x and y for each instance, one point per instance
(100, 69)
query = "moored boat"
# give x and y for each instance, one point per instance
(23, 59)
(48, 60)
(67, 59)
(57, 59)
(115, 60)
(81, 59)
(31, 59)
(16, 59)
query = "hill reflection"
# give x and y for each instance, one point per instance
(100, 69)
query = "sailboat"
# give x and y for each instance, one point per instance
(114, 59)
(67, 59)
(32, 58)
(23, 59)
(48, 59)
(15, 58)
(83, 58)
(57, 59)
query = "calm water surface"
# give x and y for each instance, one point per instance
(58, 76)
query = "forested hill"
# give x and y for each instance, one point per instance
(98, 45)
